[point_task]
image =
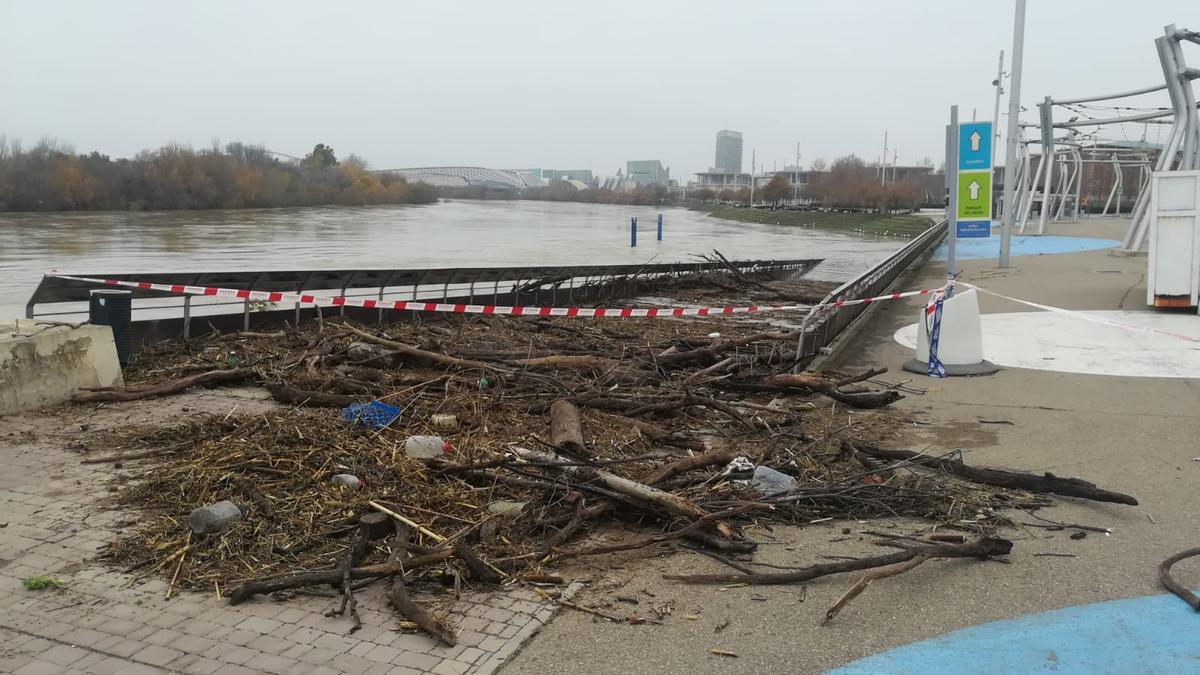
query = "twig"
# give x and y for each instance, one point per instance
(879, 573)
(171, 586)
(423, 530)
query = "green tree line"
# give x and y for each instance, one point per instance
(51, 176)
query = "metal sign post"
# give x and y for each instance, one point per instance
(951, 189)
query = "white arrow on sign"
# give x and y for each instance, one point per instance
(973, 188)
(975, 138)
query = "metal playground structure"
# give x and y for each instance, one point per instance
(1105, 150)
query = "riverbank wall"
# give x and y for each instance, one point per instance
(43, 363)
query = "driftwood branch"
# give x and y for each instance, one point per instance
(711, 458)
(434, 357)
(334, 576)
(398, 595)
(641, 492)
(1019, 480)
(207, 379)
(980, 548)
(873, 575)
(870, 399)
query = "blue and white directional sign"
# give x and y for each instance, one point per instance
(975, 146)
(974, 212)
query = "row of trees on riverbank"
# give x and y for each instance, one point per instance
(847, 183)
(51, 176)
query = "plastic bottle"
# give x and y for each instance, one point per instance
(424, 447)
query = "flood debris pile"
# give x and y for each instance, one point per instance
(483, 450)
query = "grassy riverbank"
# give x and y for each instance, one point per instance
(867, 223)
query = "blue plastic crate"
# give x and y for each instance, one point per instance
(375, 414)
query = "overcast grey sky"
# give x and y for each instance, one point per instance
(533, 83)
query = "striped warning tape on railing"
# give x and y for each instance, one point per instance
(460, 308)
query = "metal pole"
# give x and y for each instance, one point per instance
(1116, 183)
(1139, 222)
(1048, 159)
(660, 224)
(952, 176)
(883, 167)
(996, 111)
(633, 232)
(1027, 210)
(187, 317)
(753, 157)
(1010, 154)
(1078, 181)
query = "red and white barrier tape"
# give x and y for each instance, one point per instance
(452, 308)
(1086, 317)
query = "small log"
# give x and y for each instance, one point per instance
(1019, 480)
(206, 379)
(378, 525)
(312, 399)
(983, 547)
(566, 430)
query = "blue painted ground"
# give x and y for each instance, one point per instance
(979, 249)
(1150, 635)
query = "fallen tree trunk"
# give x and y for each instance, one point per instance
(334, 576)
(313, 399)
(980, 548)
(1019, 480)
(206, 379)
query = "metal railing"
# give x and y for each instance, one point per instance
(821, 326)
(56, 296)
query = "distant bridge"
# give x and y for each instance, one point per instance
(468, 176)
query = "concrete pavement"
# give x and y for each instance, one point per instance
(1132, 434)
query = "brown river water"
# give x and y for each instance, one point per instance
(456, 233)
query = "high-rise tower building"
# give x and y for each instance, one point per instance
(729, 151)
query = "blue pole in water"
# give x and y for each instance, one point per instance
(660, 227)
(633, 232)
